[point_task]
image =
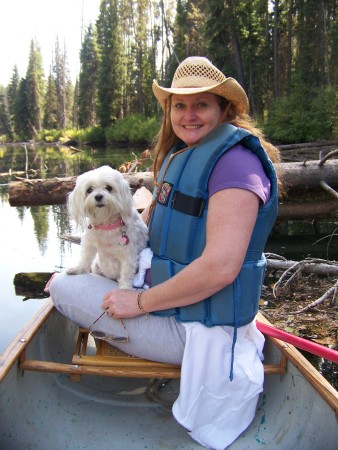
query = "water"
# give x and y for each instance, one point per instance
(30, 235)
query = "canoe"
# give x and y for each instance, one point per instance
(50, 411)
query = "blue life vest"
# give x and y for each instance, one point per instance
(178, 228)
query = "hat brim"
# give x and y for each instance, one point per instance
(230, 89)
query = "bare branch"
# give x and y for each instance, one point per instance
(333, 290)
(329, 189)
(328, 156)
(296, 268)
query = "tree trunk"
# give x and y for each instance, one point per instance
(305, 198)
(330, 270)
(308, 174)
(54, 191)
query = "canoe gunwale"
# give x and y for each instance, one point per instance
(319, 383)
(23, 338)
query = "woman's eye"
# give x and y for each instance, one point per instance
(109, 188)
(179, 105)
(202, 105)
(89, 190)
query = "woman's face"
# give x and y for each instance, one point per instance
(194, 116)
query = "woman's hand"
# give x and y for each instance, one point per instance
(121, 304)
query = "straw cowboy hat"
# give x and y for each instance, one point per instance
(196, 74)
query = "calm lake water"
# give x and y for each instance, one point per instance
(30, 235)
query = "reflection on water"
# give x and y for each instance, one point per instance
(30, 235)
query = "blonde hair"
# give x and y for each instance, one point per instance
(166, 138)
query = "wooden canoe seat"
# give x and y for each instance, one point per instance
(111, 361)
(106, 360)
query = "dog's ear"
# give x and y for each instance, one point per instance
(126, 200)
(75, 204)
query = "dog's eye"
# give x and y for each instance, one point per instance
(109, 188)
(89, 190)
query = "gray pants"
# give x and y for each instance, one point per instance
(79, 297)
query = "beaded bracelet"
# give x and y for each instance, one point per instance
(139, 302)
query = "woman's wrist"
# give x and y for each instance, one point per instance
(139, 302)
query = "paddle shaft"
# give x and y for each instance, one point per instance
(304, 344)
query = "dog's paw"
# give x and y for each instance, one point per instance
(123, 285)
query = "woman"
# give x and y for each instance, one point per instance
(214, 204)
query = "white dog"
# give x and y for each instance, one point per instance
(102, 204)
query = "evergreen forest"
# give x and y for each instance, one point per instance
(283, 52)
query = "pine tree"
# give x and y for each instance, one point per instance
(188, 34)
(110, 81)
(12, 92)
(35, 89)
(61, 76)
(87, 97)
(75, 111)
(144, 64)
(5, 125)
(50, 118)
(21, 112)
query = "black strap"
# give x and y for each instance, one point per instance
(187, 204)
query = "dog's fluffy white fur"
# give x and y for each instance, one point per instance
(102, 197)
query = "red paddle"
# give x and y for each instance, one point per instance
(304, 344)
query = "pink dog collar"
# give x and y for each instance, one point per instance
(110, 226)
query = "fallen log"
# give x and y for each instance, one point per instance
(308, 174)
(317, 268)
(308, 209)
(54, 191)
(26, 192)
(305, 145)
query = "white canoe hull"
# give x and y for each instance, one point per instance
(48, 411)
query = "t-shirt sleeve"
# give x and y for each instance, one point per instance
(240, 168)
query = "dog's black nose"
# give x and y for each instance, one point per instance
(98, 197)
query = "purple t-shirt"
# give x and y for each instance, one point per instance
(240, 168)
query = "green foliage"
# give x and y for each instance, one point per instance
(282, 52)
(12, 91)
(35, 90)
(5, 123)
(303, 117)
(87, 101)
(21, 114)
(50, 120)
(135, 128)
(60, 77)
(50, 136)
(90, 134)
(110, 68)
